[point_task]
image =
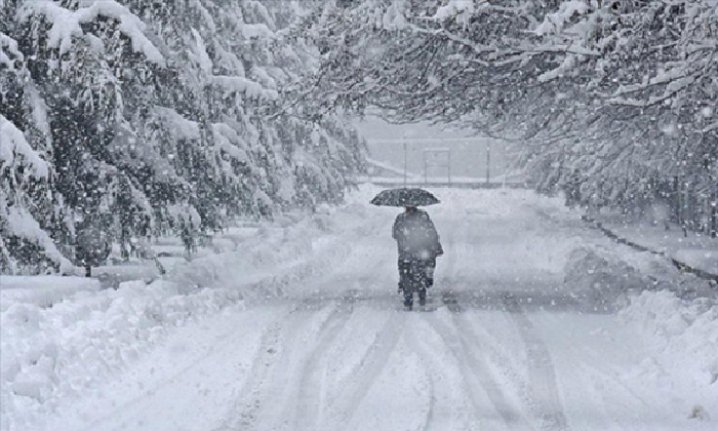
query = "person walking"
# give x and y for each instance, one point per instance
(418, 246)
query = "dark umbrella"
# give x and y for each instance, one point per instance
(405, 198)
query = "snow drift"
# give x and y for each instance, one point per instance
(57, 345)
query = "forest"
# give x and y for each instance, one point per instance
(123, 122)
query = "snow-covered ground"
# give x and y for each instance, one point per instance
(536, 322)
(693, 248)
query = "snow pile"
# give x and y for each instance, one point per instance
(599, 279)
(684, 336)
(41, 290)
(278, 254)
(50, 354)
(56, 349)
(658, 233)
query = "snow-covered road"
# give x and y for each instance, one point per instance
(504, 343)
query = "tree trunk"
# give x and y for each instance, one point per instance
(88, 271)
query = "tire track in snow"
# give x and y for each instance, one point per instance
(543, 388)
(606, 385)
(429, 419)
(310, 390)
(476, 371)
(541, 371)
(497, 357)
(432, 366)
(278, 396)
(461, 351)
(266, 393)
(372, 363)
(223, 344)
(245, 412)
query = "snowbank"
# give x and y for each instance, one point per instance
(695, 249)
(598, 278)
(675, 315)
(60, 339)
(684, 336)
(602, 276)
(42, 291)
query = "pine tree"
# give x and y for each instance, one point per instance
(161, 118)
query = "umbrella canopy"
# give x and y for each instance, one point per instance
(405, 198)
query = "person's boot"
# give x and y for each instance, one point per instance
(422, 297)
(408, 301)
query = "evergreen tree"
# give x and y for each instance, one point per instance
(157, 118)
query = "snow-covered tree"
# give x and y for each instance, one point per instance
(616, 99)
(163, 117)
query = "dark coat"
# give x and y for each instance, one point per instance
(416, 236)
